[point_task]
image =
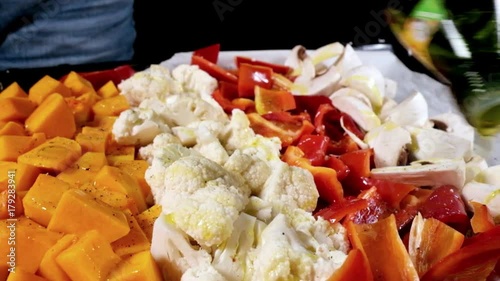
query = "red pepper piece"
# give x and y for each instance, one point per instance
(269, 100)
(310, 104)
(226, 104)
(344, 145)
(446, 205)
(474, 261)
(359, 165)
(101, 77)
(336, 212)
(333, 161)
(228, 90)
(210, 53)
(355, 267)
(377, 208)
(278, 68)
(214, 70)
(482, 220)
(287, 128)
(392, 192)
(314, 148)
(250, 76)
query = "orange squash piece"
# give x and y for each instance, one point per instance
(11, 205)
(42, 198)
(16, 109)
(118, 153)
(135, 241)
(21, 275)
(77, 84)
(32, 242)
(140, 266)
(111, 106)
(115, 199)
(13, 146)
(53, 155)
(90, 258)
(115, 179)
(108, 90)
(12, 128)
(84, 169)
(49, 267)
(13, 90)
(147, 219)
(52, 117)
(137, 169)
(92, 214)
(81, 107)
(45, 87)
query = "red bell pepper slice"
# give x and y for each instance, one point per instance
(446, 205)
(278, 68)
(474, 261)
(326, 114)
(228, 90)
(246, 105)
(336, 212)
(359, 163)
(334, 162)
(314, 148)
(310, 104)
(393, 193)
(214, 70)
(101, 77)
(250, 76)
(269, 100)
(377, 208)
(226, 104)
(344, 145)
(482, 220)
(288, 131)
(329, 188)
(210, 53)
(355, 267)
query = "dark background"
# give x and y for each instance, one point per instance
(164, 28)
(255, 24)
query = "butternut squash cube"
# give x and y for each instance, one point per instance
(6, 167)
(13, 90)
(93, 142)
(53, 155)
(49, 267)
(108, 90)
(26, 175)
(140, 266)
(84, 169)
(90, 258)
(111, 106)
(77, 84)
(32, 242)
(42, 198)
(78, 212)
(13, 146)
(21, 275)
(45, 87)
(16, 109)
(81, 107)
(118, 153)
(52, 117)
(103, 122)
(137, 169)
(12, 128)
(11, 205)
(115, 179)
(147, 219)
(115, 199)
(135, 241)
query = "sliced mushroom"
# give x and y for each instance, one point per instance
(474, 167)
(355, 104)
(368, 80)
(485, 194)
(430, 173)
(353, 136)
(391, 88)
(324, 84)
(331, 51)
(430, 143)
(348, 60)
(412, 111)
(454, 124)
(301, 63)
(387, 106)
(389, 142)
(490, 175)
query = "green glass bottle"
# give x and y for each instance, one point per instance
(465, 50)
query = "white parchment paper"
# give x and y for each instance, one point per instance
(439, 97)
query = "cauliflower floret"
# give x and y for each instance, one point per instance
(162, 158)
(202, 273)
(254, 170)
(193, 79)
(290, 185)
(161, 140)
(207, 134)
(203, 199)
(173, 252)
(154, 82)
(187, 108)
(138, 126)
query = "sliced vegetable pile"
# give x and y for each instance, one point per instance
(74, 204)
(380, 166)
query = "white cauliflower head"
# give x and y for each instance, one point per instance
(154, 82)
(187, 108)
